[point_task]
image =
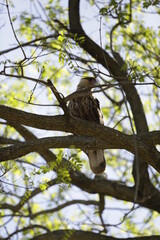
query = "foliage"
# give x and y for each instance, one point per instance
(52, 188)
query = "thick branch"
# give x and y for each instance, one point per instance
(79, 235)
(106, 187)
(115, 189)
(60, 123)
(22, 149)
(8, 141)
(112, 137)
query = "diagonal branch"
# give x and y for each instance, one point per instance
(64, 205)
(59, 98)
(29, 43)
(105, 187)
(14, 33)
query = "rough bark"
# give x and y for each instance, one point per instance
(106, 187)
(105, 136)
(78, 235)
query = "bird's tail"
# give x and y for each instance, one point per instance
(96, 160)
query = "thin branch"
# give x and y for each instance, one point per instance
(137, 180)
(14, 30)
(34, 192)
(103, 87)
(21, 149)
(59, 98)
(120, 121)
(37, 104)
(62, 206)
(29, 43)
(15, 185)
(24, 77)
(25, 229)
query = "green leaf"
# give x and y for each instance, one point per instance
(43, 186)
(103, 11)
(61, 38)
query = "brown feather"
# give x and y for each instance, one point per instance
(88, 108)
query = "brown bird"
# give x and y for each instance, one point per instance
(87, 108)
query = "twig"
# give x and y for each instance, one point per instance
(120, 121)
(25, 77)
(27, 228)
(15, 185)
(103, 87)
(37, 104)
(14, 30)
(34, 88)
(32, 92)
(102, 46)
(116, 55)
(29, 43)
(101, 209)
(59, 98)
(136, 150)
(126, 214)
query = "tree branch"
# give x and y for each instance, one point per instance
(8, 141)
(22, 149)
(29, 43)
(79, 235)
(59, 98)
(64, 205)
(115, 189)
(105, 187)
(76, 126)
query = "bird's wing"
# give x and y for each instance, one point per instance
(86, 108)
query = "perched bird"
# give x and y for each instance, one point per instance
(87, 108)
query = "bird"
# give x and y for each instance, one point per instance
(87, 107)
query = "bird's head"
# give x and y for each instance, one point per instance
(87, 82)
